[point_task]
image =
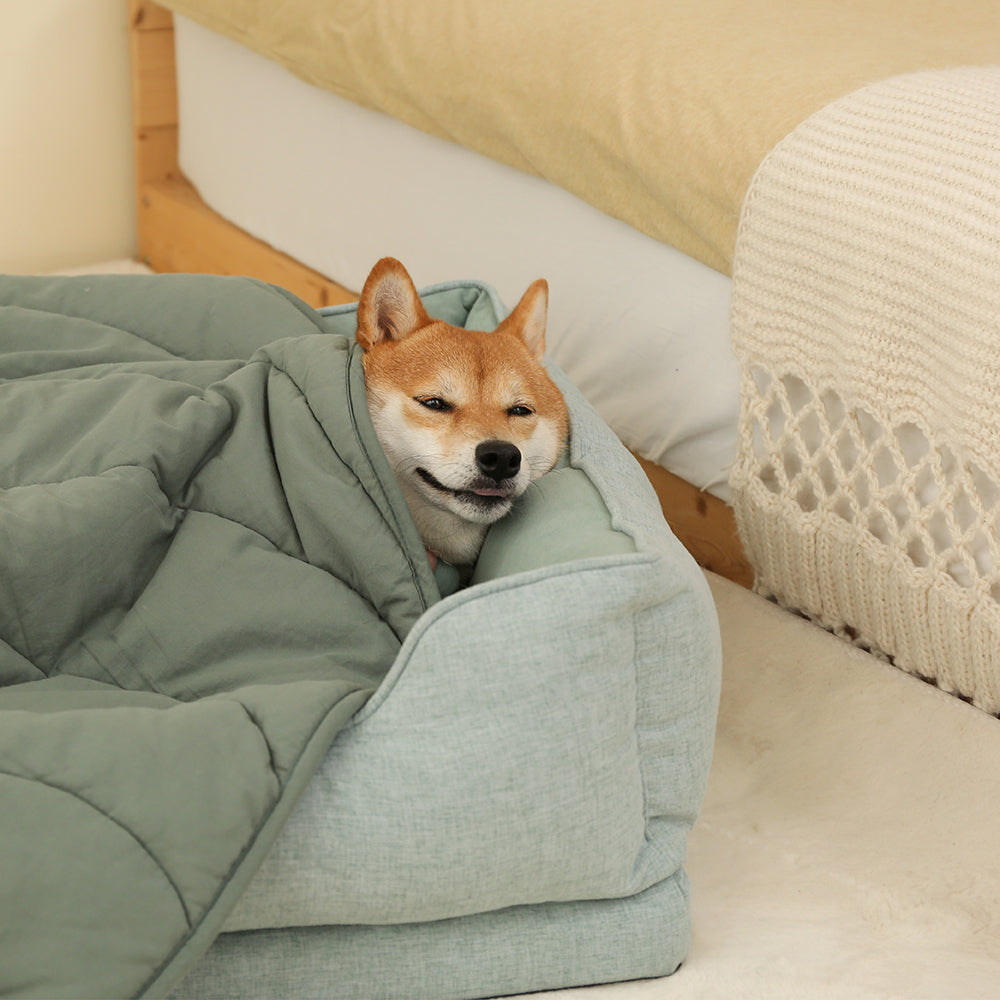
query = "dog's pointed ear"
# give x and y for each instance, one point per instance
(528, 318)
(390, 308)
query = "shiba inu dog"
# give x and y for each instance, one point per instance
(467, 419)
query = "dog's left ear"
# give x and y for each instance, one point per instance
(390, 308)
(528, 318)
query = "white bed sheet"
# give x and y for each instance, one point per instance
(640, 328)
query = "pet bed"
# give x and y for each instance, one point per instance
(234, 693)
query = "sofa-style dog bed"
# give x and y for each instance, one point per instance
(236, 698)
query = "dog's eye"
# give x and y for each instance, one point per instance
(434, 403)
(520, 411)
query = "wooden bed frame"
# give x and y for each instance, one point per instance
(178, 232)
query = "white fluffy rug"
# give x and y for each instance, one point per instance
(848, 845)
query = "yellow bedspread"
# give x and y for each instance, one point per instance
(658, 112)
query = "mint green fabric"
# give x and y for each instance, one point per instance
(561, 518)
(235, 698)
(511, 810)
(205, 570)
(518, 950)
(571, 707)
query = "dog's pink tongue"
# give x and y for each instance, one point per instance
(490, 491)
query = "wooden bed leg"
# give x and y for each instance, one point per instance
(703, 523)
(177, 231)
(154, 97)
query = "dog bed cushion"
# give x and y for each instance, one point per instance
(574, 688)
(217, 604)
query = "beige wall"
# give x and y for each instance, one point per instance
(65, 120)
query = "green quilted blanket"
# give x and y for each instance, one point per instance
(205, 570)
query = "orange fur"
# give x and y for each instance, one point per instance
(437, 391)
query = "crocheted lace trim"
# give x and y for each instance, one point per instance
(866, 318)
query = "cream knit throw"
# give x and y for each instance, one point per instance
(866, 318)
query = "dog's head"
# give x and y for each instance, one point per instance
(467, 419)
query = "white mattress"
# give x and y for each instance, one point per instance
(640, 328)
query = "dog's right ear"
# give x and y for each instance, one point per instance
(390, 308)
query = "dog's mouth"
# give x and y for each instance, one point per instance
(482, 494)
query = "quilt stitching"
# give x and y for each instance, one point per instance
(92, 321)
(11, 600)
(241, 857)
(263, 735)
(117, 822)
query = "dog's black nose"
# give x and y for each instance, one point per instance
(498, 459)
